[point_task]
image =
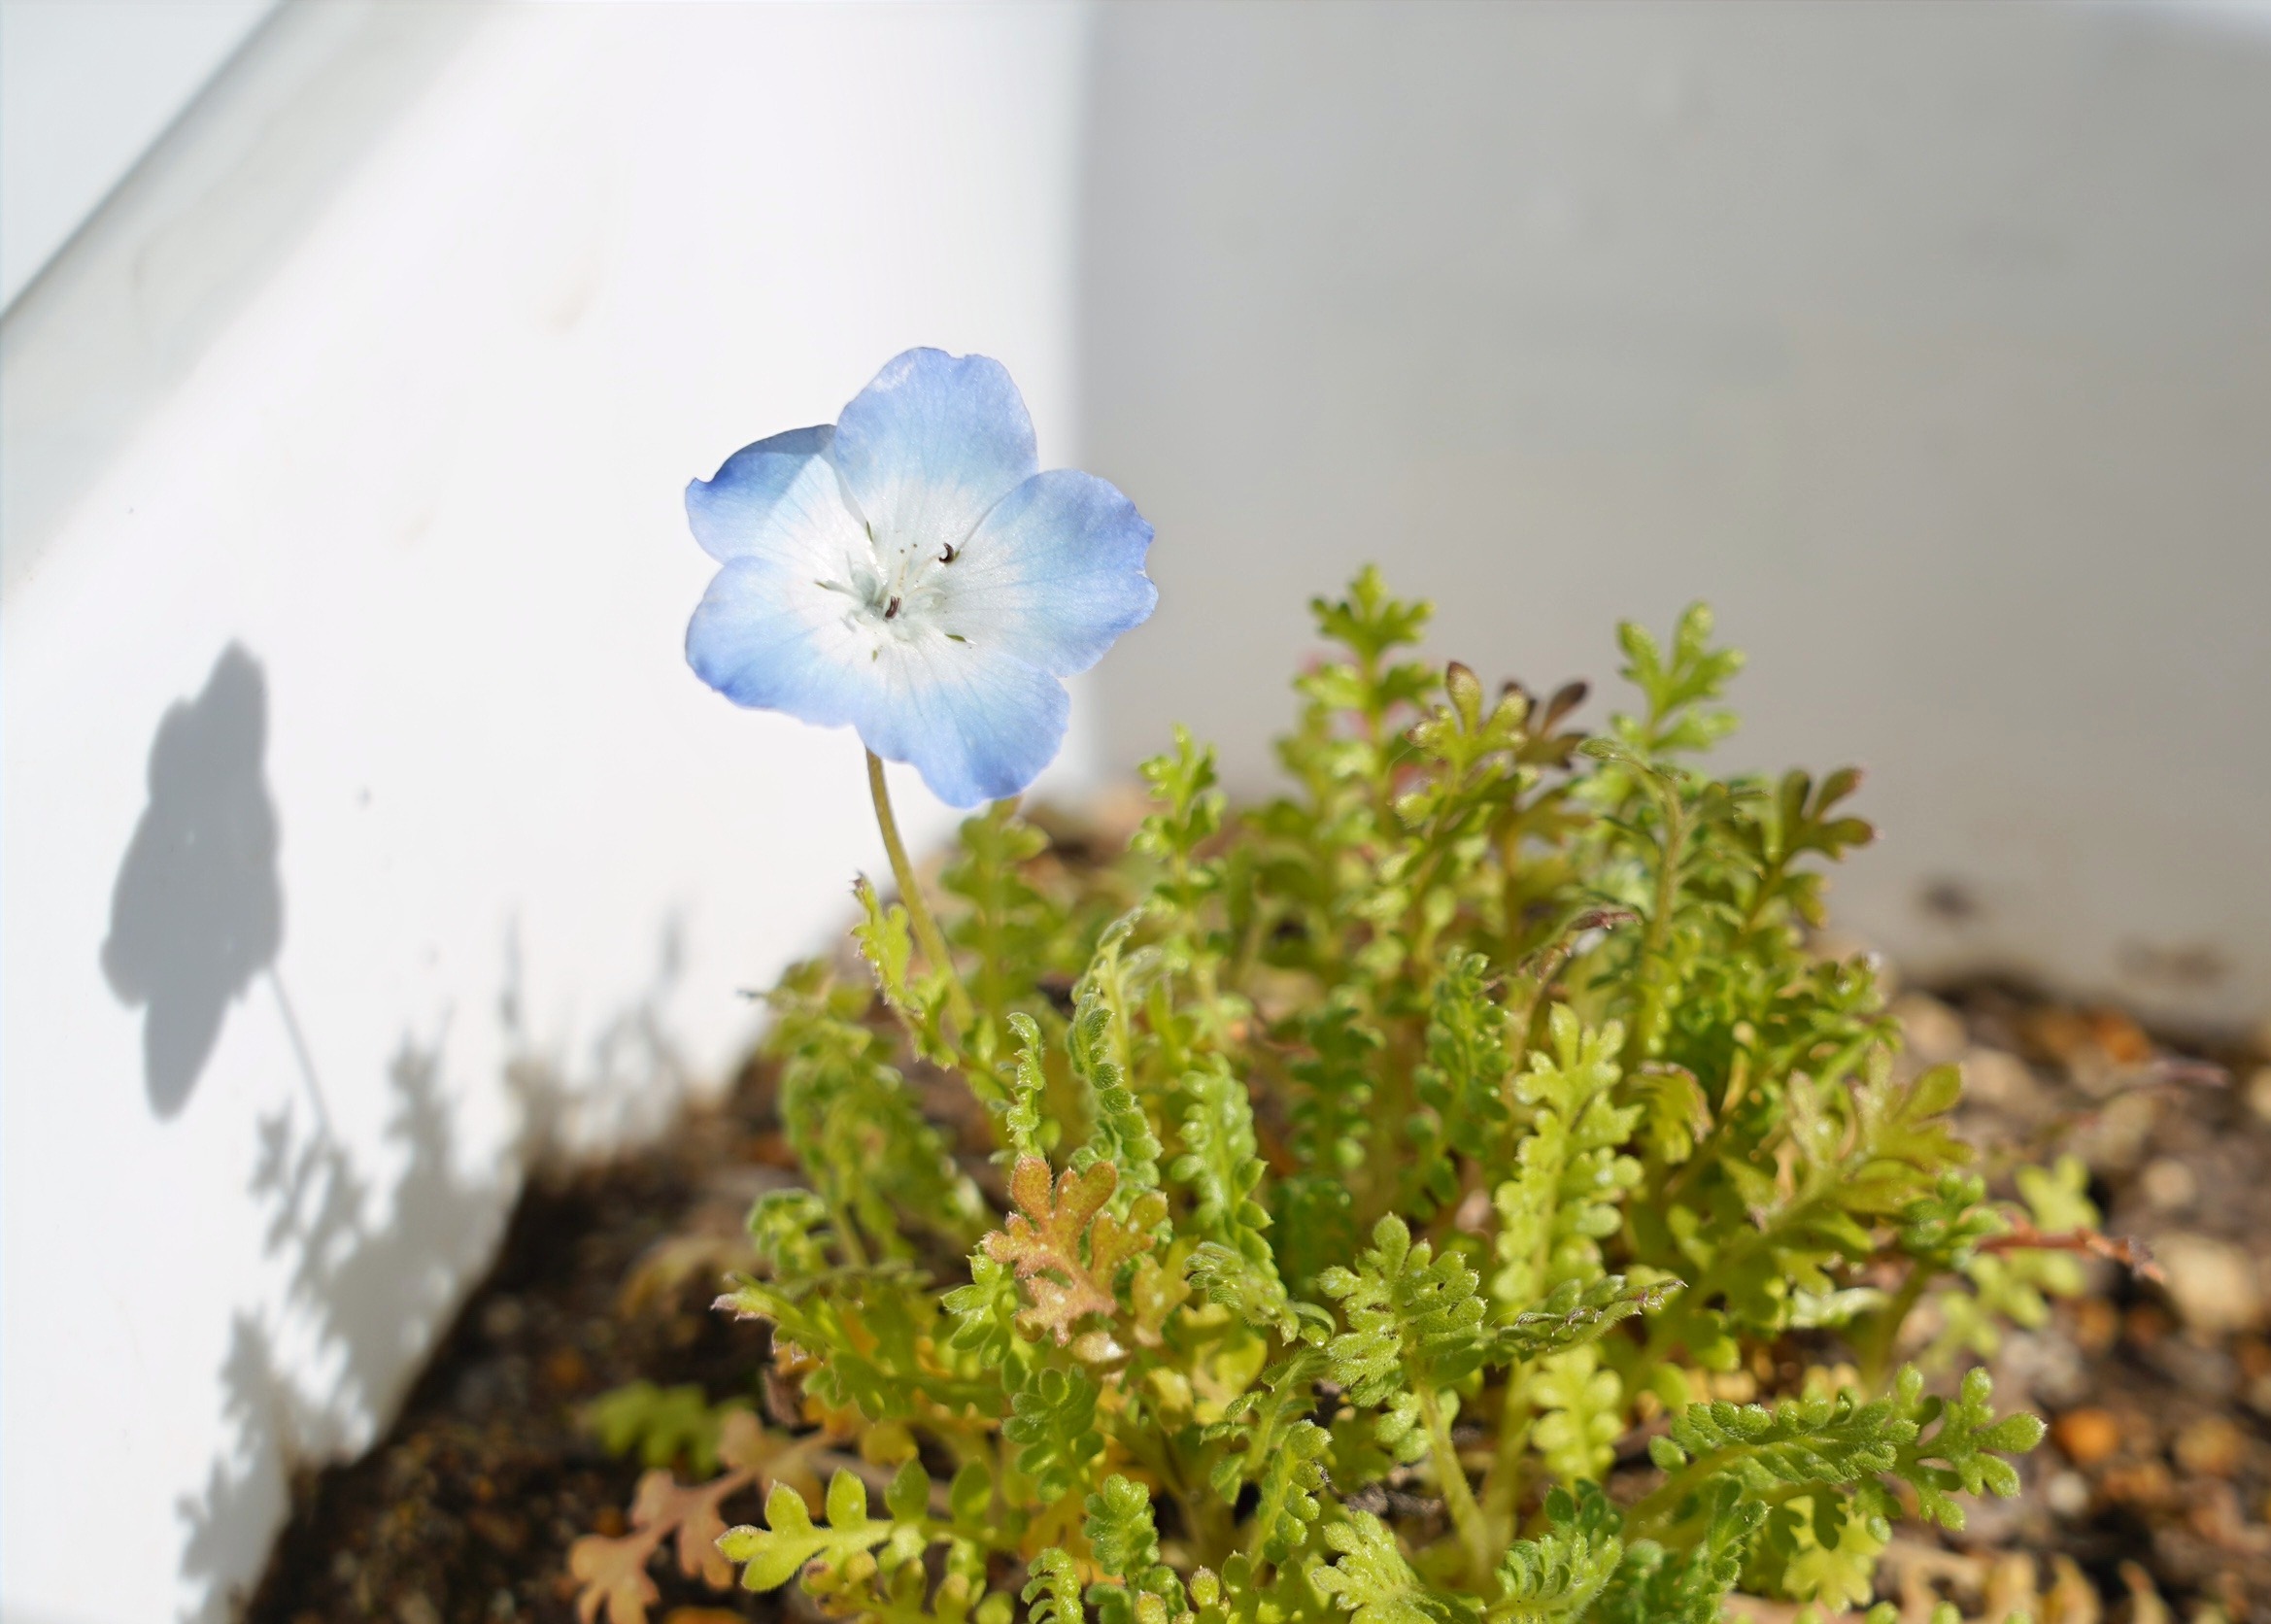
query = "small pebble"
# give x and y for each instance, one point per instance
(2211, 1282)
(2122, 1039)
(2147, 1486)
(2067, 1494)
(565, 1371)
(1998, 1079)
(2097, 1324)
(2209, 1446)
(1934, 1032)
(2086, 1437)
(502, 1321)
(2114, 1140)
(2138, 1435)
(2168, 1185)
(2259, 1094)
(2061, 1033)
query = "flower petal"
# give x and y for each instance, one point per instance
(768, 493)
(978, 723)
(775, 639)
(929, 446)
(1053, 575)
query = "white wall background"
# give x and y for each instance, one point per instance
(1932, 343)
(424, 473)
(85, 87)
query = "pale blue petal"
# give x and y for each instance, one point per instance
(1053, 575)
(977, 724)
(775, 641)
(930, 446)
(761, 490)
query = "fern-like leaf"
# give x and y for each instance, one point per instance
(771, 1556)
(1414, 1320)
(1371, 1582)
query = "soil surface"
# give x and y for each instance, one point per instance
(2151, 1500)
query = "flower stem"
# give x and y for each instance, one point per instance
(1501, 1486)
(926, 931)
(1451, 1477)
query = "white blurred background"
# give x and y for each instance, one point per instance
(365, 836)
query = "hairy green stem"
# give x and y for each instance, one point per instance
(1876, 1354)
(1451, 1477)
(926, 931)
(1502, 1490)
(1653, 970)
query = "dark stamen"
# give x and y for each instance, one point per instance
(949, 556)
(892, 612)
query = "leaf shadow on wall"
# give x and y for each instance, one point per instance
(378, 1253)
(198, 911)
(373, 1271)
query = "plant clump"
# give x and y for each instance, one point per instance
(1388, 1192)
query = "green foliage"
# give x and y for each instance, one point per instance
(1126, 1546)
(1557, 1574)
(1052, 1422)
(1581, 1414)
(1568, 1173)
(1415, 1321)
(664, 1425)
(772, 1555)
(1054, 1590)
(1404, 1143)
(1369, 1579)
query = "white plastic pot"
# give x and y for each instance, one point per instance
(364, 831)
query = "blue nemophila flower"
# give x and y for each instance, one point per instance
(908, 571)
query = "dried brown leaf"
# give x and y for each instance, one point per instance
(1042, 1242)
(612, 1574)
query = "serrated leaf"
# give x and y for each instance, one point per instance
(774, 1554)
(1412, 1318)
(1581, 1414)
(1065, 1249)
(1556, 1575)
(1576, 1312)
(1371, 1581)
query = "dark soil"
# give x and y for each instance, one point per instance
(2148, 1503)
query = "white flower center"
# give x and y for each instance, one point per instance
(897, 591)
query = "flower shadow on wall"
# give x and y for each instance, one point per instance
(198, 909)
